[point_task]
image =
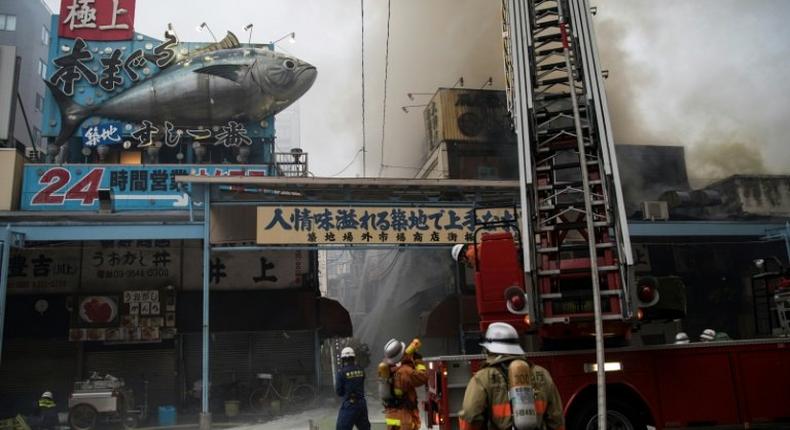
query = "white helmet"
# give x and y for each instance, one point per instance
(457, 250)
(47, 395)
(681, 338)
(707, 335)
(502, 338)
(347, 352)
(393, 351)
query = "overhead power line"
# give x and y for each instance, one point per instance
(386, 76)
(349, 163)
(364, 158)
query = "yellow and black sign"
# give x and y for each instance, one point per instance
(352, 225)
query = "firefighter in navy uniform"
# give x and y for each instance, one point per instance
(350, 384)
(487, 401)
(46, 415)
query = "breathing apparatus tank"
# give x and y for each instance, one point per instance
(522, 395)
(384, 382)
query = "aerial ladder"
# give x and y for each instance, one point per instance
(575, 244)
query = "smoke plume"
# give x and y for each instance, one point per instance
(703, 74)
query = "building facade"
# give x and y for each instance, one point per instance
(111, 245)
(26, 25)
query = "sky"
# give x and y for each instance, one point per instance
(710, 75)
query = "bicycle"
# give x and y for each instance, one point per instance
(294, 394)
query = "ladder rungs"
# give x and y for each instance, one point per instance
(563, 185)
(560, 166)
(555, 272)
(566, 205)
(566, 319)
(573, 247)
(571, 226)
(578, 294)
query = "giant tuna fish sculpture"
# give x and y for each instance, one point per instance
(214, 85)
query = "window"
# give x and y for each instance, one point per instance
(44, 35)
(42, 69)
(7, 22)
(39, 102)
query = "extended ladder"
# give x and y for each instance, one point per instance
(575, 227)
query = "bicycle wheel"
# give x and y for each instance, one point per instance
(260, 399)
(303, 396)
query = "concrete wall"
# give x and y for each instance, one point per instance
(31, 17)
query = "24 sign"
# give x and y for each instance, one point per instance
(56, 189)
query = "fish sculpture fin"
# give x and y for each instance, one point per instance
(233, 72)
(230, 41)
(71, 113)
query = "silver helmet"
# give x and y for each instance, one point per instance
(393, 351)
(502, 338)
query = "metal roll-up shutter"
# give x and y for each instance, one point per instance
(230, 357)
(32, 366)
(285, 352)
(191, 353)
(157, 366)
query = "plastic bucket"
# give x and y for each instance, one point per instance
(167, 415)
(232, 408)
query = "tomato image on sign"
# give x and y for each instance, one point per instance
(98, 310)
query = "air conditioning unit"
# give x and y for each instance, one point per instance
(655, 211)
(467, 115)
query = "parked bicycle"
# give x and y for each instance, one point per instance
(291, 392)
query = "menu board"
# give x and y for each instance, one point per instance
(133, 316)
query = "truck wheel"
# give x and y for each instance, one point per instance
(83, 417)
(620, 416)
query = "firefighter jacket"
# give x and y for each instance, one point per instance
(350, 383)
(486, 403)
(404, 412)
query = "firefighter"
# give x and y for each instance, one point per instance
(350, 384)
(464, 254)
(408, 372)
(486, 401)
(46, 415)
(707, 335)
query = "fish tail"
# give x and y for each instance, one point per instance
(71, 113)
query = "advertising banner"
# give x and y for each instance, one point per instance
(351, 225)
(97, 19)
(267, 270)
(75, 187)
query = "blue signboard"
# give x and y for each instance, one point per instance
(75, 187)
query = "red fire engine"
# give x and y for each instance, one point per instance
(722, 383)
(569, 275)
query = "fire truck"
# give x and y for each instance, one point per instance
(563, 273)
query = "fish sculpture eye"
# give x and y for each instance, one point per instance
(289, 64)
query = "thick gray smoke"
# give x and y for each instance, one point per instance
(432, 44)
(707, 75)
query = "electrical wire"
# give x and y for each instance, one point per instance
(349, 164)
(386, 77)
(362, 14)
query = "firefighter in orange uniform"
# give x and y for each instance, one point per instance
(408, 372)
(487, 404)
